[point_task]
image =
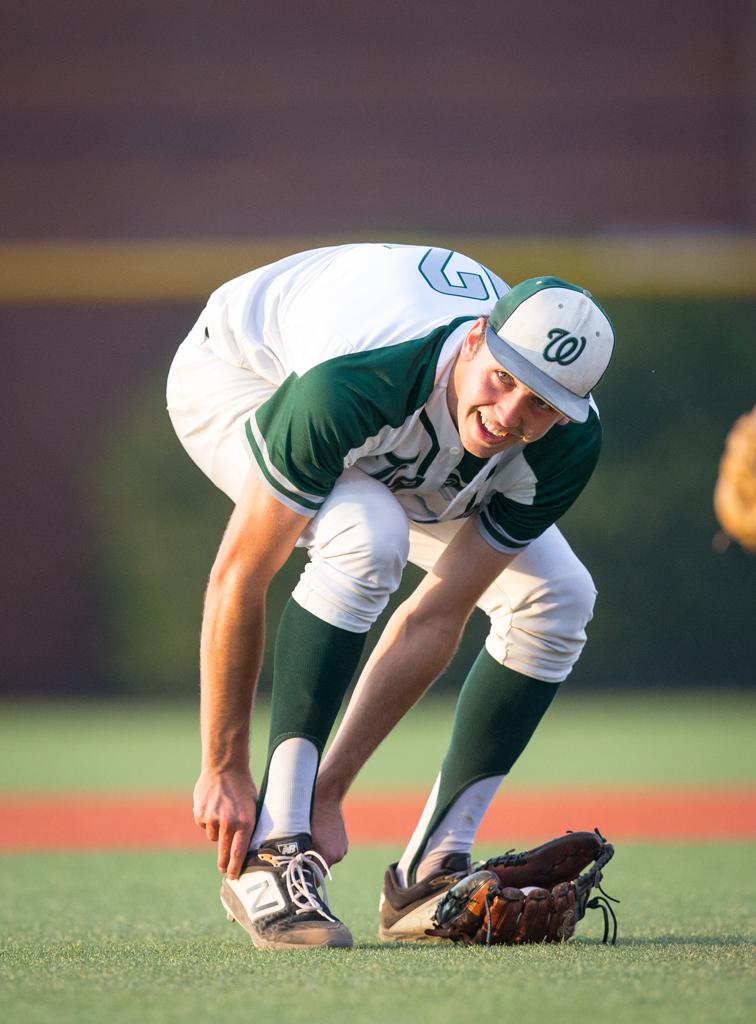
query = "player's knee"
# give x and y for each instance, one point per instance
(351, 577)
(373, 547)
(387, 547)
(544, 636)
(576, 595)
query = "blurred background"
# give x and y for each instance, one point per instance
(153, 149)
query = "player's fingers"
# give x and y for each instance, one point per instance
(210, 826)
(224, 846)
(239, 847)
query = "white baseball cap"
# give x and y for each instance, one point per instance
(555, 339)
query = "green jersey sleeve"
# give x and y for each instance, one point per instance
(561, 464)
(301, 436)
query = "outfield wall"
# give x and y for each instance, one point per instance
(177, 120)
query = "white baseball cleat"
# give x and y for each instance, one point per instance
(277, 901)
(406, 912)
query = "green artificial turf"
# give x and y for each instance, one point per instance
(139, 938)
(672, 738)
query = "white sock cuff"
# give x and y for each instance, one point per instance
(456, 831)
(288, 796)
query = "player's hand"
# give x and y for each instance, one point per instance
(224, 805)
(329, 836)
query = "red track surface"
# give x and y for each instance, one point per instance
(71, 821)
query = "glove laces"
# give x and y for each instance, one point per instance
(304, 874)
(604, 904)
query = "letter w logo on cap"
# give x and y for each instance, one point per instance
(564, 348)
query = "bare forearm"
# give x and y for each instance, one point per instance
(233, 630)
(258, 539)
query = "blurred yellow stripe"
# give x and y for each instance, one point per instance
(77, 271)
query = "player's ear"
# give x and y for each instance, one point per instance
(475, 338)
(563, 421)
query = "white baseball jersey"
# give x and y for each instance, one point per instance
(359, 341)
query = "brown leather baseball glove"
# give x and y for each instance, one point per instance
(535, 896)
(735, 492)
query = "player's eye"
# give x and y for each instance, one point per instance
(504, 377)
(540, 404)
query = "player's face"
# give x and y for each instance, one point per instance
(491, 409)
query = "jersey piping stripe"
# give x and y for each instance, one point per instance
(278, 495)
(499, 535)
(282, 480)
(506, 549)
(272, 475)
(435, 447)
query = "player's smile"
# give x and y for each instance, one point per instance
(491, 431)
(491, 427)
(491, 409)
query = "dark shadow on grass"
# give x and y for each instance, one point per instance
(425, 947)
(635, 941)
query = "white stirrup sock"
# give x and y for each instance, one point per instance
(455, 832)
(288, 796)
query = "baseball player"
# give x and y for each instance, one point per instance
(378, 404)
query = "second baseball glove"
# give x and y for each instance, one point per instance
(535, 896)
(735, 492)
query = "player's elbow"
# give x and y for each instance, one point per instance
(433, 627)
(436, 607)
(233, 576)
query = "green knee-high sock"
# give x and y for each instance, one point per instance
(313, 666)
(497, 712)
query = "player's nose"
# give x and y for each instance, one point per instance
(510, 411)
